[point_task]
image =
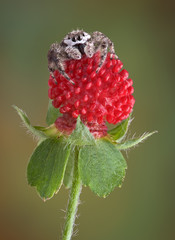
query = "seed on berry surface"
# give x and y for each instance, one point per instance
(68, 95)
(126, 108)
(77, 104)
(51, 82)
(109, 109)
(50, 93)
(130, 90)
(79, 65)
(118, 104)
(109, 64)
(124, 116)
(98, 82)
(117, 113)
(90, 61)
(83, 111)
(89, 69)
(131, 100)
(56, 73)
(119, 62)
(121, 91)
(79, 72)
(100, 119)
(75, 114)
(56, 103)
(130, 82)
(62, 78)
(92, 106)
(110, 118)
(85, 98)
(89, 85)
(116, 68)
(62, 86)
(113, 62)
(124, 74)
(124, 100)
(107, 77)
(93, 75)
(90, 117)
(68, 107)
(84, 79)
(62, 110)
(114, 84)
(102, 72)
(125, 85)
(71, 66)
(77, 90)
(97, 94)
(117, 77)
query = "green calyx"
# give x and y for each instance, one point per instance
(101, 165)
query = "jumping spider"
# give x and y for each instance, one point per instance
(74, 46)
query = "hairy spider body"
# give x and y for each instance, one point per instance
(74, 46)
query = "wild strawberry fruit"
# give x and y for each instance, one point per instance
(96, 97)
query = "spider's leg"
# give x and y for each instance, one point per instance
(60, 67)
(111, 49)
(89, 49)
(101, 43)
(103, 47)
(100, 37)
(51, 71)
(73, 52)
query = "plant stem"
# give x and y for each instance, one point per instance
(73, 200)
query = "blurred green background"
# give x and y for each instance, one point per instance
(144, 36)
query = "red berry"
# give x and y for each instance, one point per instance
(96, 96)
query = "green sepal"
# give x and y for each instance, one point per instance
(68, 176)
(34, 130)
(133, 142)
(119, 131)
(50, 131)
(81, 136)
(101, 167)
(52, 113)
(47, 166)
(38, 131)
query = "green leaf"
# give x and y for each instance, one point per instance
(36, 132)
(120, 130)
(47, 166)
(81, 135)
(133, 142)
(68, 176)
(52, 113)
(102, 167)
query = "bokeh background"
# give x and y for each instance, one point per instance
(144, 37)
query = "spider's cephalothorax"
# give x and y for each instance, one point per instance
(74, 46)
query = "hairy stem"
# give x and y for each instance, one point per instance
(73, 200)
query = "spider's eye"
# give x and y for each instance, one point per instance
(83, 35)
(73, 39)
(79, 38)
(68, 38)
